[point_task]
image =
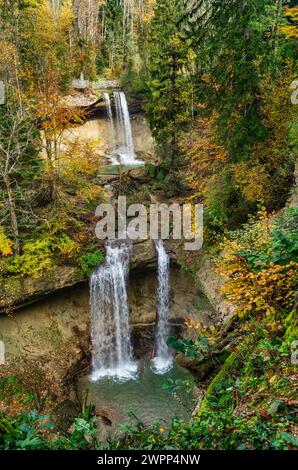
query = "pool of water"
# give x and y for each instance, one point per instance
(144, 398)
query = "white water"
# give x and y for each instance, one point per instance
(107, 101)
(125, 154)
(110, 328)
(163, 360)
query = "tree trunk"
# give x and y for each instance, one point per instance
(13, 215)
(49, 151)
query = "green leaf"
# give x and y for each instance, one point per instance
(289, 438)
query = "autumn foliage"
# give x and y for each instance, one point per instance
(260, 264)
(205, 157)
(291, 29)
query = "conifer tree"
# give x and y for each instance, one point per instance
(236, 47)
(169, 81)
(19, 165)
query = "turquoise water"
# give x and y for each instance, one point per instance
(145, 397)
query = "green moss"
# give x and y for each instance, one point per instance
(232, 363)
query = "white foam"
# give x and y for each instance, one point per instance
(161, 365)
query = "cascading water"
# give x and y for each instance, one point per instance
(107, 101)
(110, 328)
(163, 359)
(126, 154)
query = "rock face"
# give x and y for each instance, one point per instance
(185, 299)
(45, 326)
(99, 130)
(208, 280)
(211, 283)
(19, 292)
(143, 256)
(44, 331)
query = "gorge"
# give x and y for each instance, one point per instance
(116, 333)
(135, 110)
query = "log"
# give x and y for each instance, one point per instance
(97, 109)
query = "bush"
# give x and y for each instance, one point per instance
(30, 431)
(260, 263)
(90, 260)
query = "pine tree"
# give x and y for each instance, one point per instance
(169, 81)
(235, 44)
(240, 51)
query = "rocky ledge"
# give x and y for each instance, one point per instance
(18, 292)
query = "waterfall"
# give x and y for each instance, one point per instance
(126, 154)
(110, 328)
(107, 101)
(163, 359)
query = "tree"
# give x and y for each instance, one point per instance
(241, 93)
(46, 43)
(55, 117)
(124, 29)
(18, 160)
(113, 36)
(291, 29)
(169, 105)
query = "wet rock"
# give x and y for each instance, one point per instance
(143, 256)
(143, 341)
(212, 283)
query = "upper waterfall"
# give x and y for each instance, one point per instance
(107, 101)
(125, 153)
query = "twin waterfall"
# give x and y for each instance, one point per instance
(112, 354)
(110, 327)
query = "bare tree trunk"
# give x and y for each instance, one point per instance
(13, 215)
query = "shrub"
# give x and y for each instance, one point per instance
(260, 263)
(91, 259)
